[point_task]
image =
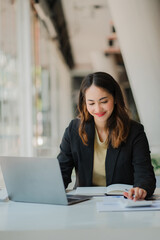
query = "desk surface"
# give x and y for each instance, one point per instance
(42, 221)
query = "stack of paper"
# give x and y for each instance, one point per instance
(114, 204)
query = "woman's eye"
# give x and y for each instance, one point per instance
(104, 102)
(91, 104)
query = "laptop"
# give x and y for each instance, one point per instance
(36, 180)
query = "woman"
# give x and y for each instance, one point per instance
(103, 144)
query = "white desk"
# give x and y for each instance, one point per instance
(21, 221)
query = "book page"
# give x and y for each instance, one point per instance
(118, 188)
(111, 189)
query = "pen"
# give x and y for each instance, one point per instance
(115, 195)
(127, 190)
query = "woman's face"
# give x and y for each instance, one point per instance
(100, 103)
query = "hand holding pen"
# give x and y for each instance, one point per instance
(136, 194)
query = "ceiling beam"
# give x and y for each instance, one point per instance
(53, 9)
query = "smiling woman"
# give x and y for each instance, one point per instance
(101, 99)
(103, 144)
(102, 104)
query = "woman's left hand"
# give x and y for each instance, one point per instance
(136, 194)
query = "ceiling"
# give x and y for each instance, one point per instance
(88, 27)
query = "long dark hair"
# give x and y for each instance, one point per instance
(119, 122)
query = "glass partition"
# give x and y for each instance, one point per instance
(41, 88)
(9, 85)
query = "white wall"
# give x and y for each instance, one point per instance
(65, 96)
(103, 63)
(60, 96)
(137, 24)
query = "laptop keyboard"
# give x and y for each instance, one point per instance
(74, 198)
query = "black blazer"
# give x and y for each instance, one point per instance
(130, 163)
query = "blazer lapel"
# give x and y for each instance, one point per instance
(89, 152)
(111, 159)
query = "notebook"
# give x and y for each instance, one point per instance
(36, 180)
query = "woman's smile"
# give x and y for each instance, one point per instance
(100, 114)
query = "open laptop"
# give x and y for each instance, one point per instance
(36, 180)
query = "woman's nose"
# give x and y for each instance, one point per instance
(97, 108)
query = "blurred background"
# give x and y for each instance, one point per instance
(46, 49)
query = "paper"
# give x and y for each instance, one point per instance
(112, 204)
(90, 191)
(134, 204)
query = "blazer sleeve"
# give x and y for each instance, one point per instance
(65, 157)
(144, 176)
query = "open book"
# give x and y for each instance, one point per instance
(113, 189)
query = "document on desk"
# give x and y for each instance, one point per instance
(114, 204)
